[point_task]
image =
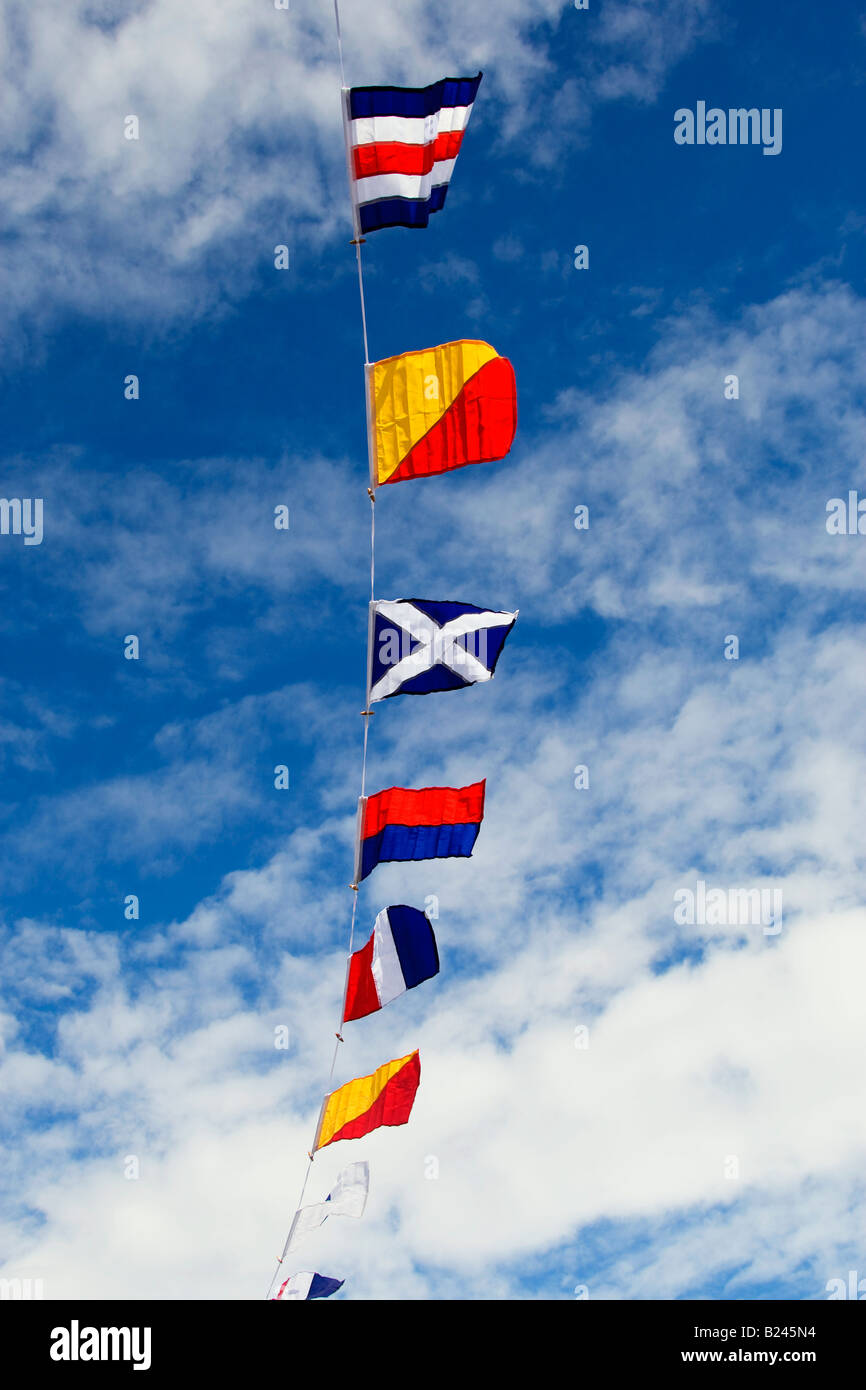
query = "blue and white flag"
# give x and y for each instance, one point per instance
(419, 645)
(306, 1285)
(347, 1197)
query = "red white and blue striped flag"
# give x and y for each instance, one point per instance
(402, 146)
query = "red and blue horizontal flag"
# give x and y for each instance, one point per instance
(403, 823)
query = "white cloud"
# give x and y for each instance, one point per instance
(239, 125)
(705, 1043)
(702, 506)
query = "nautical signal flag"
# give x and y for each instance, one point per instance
(439, 409)
(348, 1197)
(384, 1098)
(402, 144)
(417, 646)
(306, 1285)
(400, 954)
(429, 823)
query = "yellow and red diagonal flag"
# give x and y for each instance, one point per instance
(438, 409)
(368, 1102)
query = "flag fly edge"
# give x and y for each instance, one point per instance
(316, 1138)
(371, 626)
(359, 825)
(369, 403)
(344, 104)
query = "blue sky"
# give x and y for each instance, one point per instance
(558, 1167)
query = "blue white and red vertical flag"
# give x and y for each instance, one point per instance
(306, 1285)
(400, 954)
(402, 144)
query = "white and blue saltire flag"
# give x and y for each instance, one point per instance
(306, 1285)
(348, 1197)
(417, 646)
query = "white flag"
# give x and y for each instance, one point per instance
(347, 1198)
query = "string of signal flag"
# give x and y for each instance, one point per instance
(428, 412)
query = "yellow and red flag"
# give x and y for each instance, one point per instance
(438, 409)
(368, 1102)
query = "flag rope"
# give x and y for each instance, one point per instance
(367, 714)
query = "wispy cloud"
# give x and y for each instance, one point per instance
(239, 143)
(741, 773)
